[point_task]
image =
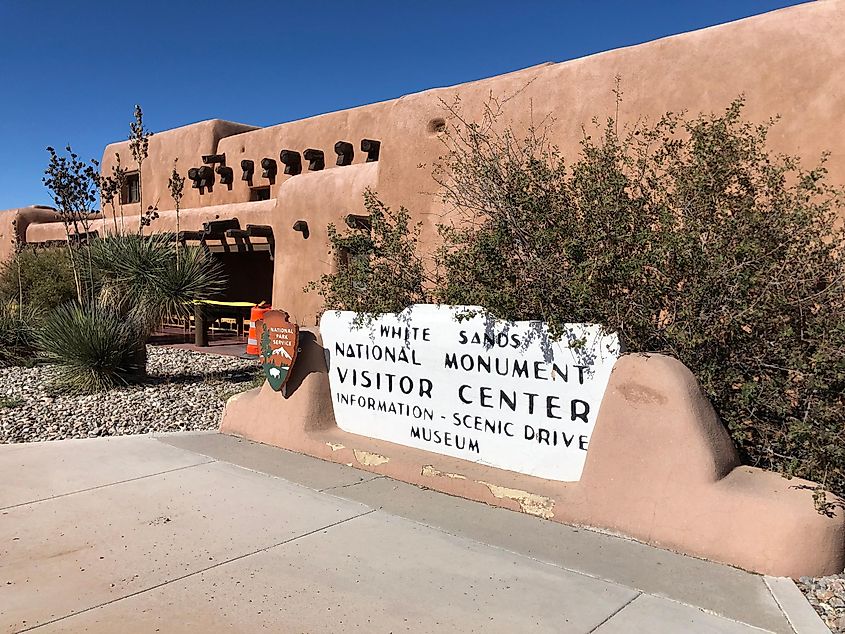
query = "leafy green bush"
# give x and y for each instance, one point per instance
(46, 279)
(688, 237)
(17, 335)
(94, 348)
(377, 270)
(10, 402)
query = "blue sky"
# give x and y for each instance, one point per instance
(71, 71)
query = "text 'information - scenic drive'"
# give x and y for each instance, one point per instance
(456, 381)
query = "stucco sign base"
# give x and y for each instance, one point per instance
(661, 469)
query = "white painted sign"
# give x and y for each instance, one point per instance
(495, 392)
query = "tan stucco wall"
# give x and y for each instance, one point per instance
(789, 62)
(15, 222)
(320, 133)
(185, 146)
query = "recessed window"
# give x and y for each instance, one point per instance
(131, 192)
(259, 193)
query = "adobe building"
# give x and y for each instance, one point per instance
(788, 62)
(661, 468)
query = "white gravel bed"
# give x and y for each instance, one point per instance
(186, 391)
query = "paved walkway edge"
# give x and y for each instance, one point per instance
(800, 614)
(552, 543)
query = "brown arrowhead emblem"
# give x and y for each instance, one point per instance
(278, 339)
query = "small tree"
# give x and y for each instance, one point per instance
(176, 185)
(73, 186)
(19, 246)
(139, 145)
(111, 189)
(118, 175)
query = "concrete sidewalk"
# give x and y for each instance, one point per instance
(207, 533)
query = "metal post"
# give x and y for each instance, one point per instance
(200, 327)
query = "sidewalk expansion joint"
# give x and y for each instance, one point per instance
(351, 484)
(197, 572)
(104, 486)
(617, 611)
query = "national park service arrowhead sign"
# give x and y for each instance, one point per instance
(278, 340)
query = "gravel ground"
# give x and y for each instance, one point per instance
(186, 391)
(827, 596)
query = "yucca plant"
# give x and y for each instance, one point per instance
(141, 282)
(129, 266)
(16, 334)
(94, 347)
(192, 276)
(142, 276)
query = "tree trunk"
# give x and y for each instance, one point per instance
(139, 361)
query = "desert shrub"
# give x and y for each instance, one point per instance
(93, 348)
(10, 402)
(73, 185)
(377, 267)
(46, 278)
(17, 335)
(687, 236)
